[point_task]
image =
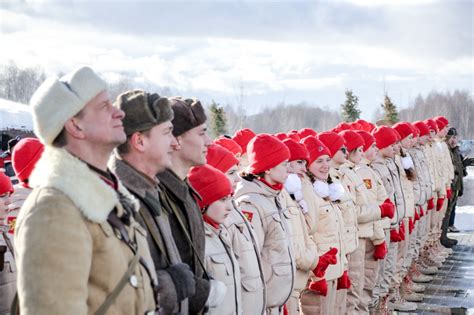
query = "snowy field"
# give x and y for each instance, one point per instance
(465, 206)
(15, 115)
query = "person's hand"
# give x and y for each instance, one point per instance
(328, 258)
(320, 287)
(380, 251)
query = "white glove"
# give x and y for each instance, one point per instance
(336, 191)
(217, 293)
(321, 188)
(293, 184)
(407, 162)
(304, 206)
(298, 195)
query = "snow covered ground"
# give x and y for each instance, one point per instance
(465, 207)
(15, 115)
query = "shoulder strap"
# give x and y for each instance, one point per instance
(186, 233)
(119, 287)
(9, 243)
(151, 203)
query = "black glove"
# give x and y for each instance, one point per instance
(183, 279)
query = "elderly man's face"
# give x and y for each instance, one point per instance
(101, 122)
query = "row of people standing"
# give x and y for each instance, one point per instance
(134, 222)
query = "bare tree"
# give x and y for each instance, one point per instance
(18, 84)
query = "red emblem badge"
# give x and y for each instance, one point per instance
(248, 215)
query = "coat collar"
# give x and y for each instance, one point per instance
(59, 169)
(180, 188)
(133, 179)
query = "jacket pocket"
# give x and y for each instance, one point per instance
(252, 284)
(221, 269)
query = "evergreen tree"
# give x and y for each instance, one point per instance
(350, 108)
(218, 120)
(390, 110)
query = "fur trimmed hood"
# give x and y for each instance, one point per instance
(59, 169)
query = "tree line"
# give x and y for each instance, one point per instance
(19, 83)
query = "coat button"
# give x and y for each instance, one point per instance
(134, 281)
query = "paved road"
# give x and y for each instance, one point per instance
(452, 290)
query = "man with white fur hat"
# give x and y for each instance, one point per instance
(78, 248)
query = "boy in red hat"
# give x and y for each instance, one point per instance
(220, 262)
(7, 261)
(242, 236)
(259, 194)
(325, 227)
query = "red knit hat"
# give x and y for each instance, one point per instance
(355, 126)
(404, 129)
(24, 157)
(332, 141)
(422, 128)
(384, 136)
(281, 136)
(364, 125)
(416, 132)
(352, 139)
(303, 133)
(220, 158)
(368, 139)
(315, 148)
(229, 144)
(344, 126)
(294, 136)
(440, 122)
(431, 124)
(5, 184)
(297, 150)
(243, 137)
(210, 183)
(443, 119)
(265, 152)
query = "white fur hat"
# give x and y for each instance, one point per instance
(58, 100)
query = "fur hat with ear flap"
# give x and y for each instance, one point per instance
(25, 155)
(352, 139)
(265, 152)
(243, 137)
(6, 186)
(188, 114)
(332, 141)
(229, 144)
(143, 110)
(220, 158)
(58, 100)
(210, 183)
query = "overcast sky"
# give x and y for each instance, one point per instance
(277, 51)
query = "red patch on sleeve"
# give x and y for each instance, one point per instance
(368, 183)
(248, 215)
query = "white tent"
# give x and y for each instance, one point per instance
(15, 115)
